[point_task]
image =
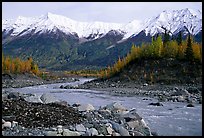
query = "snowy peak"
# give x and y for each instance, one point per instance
(174, 21)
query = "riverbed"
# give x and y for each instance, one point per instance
(171, 119)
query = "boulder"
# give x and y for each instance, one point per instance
(48, 98)
(109, 130)
(51, 133)
(33, 99)
(59, 129)
(193, 90)
(67, 132)
(80, 127)
(86, 107)
(190, 105)
(6, 124)
(93, 132)
(120, 129)
(123, 131)
(115, 107)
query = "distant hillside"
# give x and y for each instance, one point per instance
(162, 71)
(159, 62)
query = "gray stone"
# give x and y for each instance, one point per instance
(115, 107)
(109, 130)
(123, 131)
(102, 130)
(48, 98)
(193, 90)
(86, 107)
(116, 134)
(67, 132)
(146, 131)
(133, 124)
(14, 124)
(14, 95)
(80, 127)
(33, 99)
(136, 133)
(3, 121)
(51, 133)
(4, 97)
(93, 132)
(59, 129)
(7, 124)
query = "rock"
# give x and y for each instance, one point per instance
(190, 105)
(133, 124)
(76, 105)
(51, 133)
(6, 124)
(102, 130)
(59, 129)
(181, 99)
(80, 127)
(93, 132)
(67, 132)
(131, 115)
(64, 103)
(113, 85)
(193, 90)
(156, 104)
(180, 92)
(62, 87)
(115, 126)
(86, 107)
(146, 131)
(3, 121)
(123, 131)
(120, 129)
(33, 99)
(116, 134)
(105, 112)
(14, 95)
(4, 97)
(115, 107)
(109, 130)
(136, 133)
(176, 88)
(14, 124)
(48, 98)
(145, 84)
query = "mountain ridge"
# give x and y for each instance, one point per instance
(50, 22)
(99, 46)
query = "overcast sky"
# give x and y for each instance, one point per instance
(118, 12)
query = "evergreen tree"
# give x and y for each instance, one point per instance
(189, 51)
(166, 37)
(179, 38)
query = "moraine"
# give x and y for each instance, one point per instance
(171, 119)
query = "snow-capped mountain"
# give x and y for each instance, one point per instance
(60, 43)
(174, 21)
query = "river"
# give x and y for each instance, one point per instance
(172, 119)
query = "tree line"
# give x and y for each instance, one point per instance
(17, 66)
(187, 50)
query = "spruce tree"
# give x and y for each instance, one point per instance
(189, 51)
(179, 38)
(166, 37)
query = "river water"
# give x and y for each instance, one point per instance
(171, 119)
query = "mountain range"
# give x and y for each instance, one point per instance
(60, 43)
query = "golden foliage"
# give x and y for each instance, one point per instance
(16, 65)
